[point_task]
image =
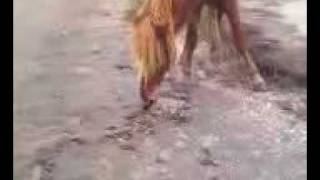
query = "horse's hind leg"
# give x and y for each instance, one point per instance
(185, 60)
(231, 8)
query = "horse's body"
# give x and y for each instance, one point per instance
(183, 13)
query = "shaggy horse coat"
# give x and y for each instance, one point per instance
(155, 25)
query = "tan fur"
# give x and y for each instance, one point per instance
(148, 53)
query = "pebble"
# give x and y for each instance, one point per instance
(127, 147)
(111, 128)
(257, 153)
(150, 132)
(82, 70)
(106, 13)
(149, 142)
(180, 144)
(206, 143)
(64, 32)
(78, 139)
(109, 134)
(163, 171)
(95, 49)
(164, 156)
(36, 173)
(213, 175)
(208, 162)
(205, 158)
(201, 74)
(74, 122)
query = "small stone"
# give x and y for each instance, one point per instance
(180, 144)
(213, 175)
(64, 32)
(150, 132)
(74, 122)
(213, 178)
(123, 67)
(95, 49)
(284, 105)
(206, 143)
(149, 143)
(127, 147)
(165, 174)
(78, 140)
(163, 171)
(123, 133)
(201, 74)
(36, 173)
(257, 153)
(205, 158)
(106, 13)
(164, 156)
(208, 162)
(83, 70)
(127, 136)
(110, 134)
(216, 139)
(111, 128)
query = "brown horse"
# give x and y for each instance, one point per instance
(156, 24)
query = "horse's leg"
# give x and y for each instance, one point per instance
(216, 38)
(144, 93)
(185, 60)
(231, 8)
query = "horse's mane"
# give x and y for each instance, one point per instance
(148, 54)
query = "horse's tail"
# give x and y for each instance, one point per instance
(153, 54)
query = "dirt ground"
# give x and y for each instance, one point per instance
(74, 92)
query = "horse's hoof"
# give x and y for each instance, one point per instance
(259, 84)
(260, 87)
(147, 104)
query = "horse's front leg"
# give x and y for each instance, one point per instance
(188, 49)
(191, 38)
